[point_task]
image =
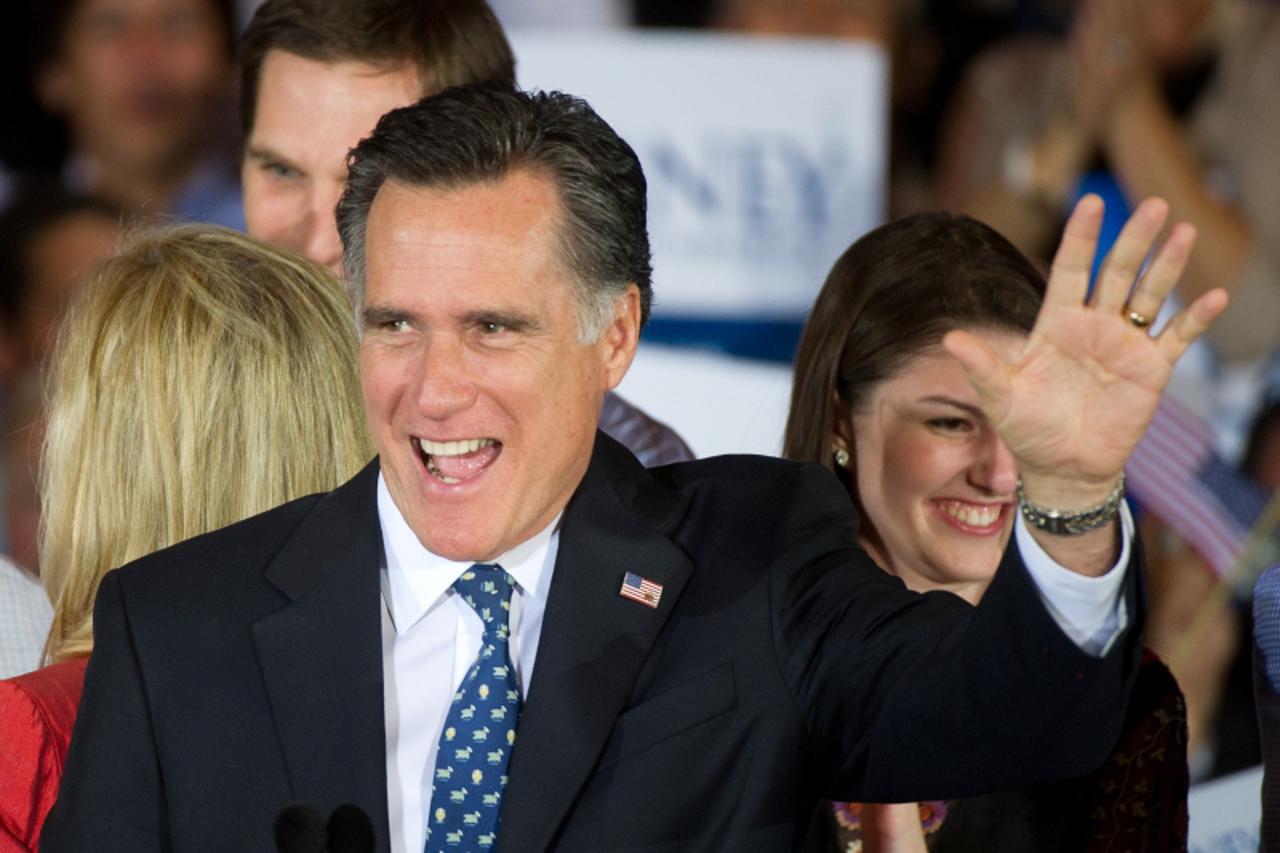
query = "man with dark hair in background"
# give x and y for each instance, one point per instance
(139, 85)
(507, 634)
(315, 77)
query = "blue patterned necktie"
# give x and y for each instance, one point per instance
(475, 746)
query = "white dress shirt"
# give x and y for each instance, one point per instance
(430, 637)
(1090, 611)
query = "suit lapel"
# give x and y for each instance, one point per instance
(593, 640)
(321, 654)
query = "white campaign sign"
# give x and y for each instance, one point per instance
(1226, 814)
(717, 404)
(765, 157)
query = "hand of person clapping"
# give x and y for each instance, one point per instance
(1109, 58)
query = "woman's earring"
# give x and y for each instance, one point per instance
(842, 457)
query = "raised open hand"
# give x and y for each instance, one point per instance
(1080, 394)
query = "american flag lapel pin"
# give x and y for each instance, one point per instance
(640, 589)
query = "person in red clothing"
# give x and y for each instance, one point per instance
(37, 713)
(201, 377)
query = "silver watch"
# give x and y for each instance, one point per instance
(1072, 523)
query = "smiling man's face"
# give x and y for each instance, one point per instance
(482, 400)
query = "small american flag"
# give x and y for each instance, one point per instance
(1176, 473)
(640, 589)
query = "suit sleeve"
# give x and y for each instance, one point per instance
(920, 697)
(111, 796)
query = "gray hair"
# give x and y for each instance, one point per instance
(474, 134)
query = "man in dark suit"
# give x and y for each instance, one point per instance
(713, 652)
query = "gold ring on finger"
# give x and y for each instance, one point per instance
(1139, 320)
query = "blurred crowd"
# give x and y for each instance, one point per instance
(124, 112)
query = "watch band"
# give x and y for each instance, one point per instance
(1072, 523)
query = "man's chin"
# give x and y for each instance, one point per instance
(461, 550)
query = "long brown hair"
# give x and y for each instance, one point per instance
(893, 294)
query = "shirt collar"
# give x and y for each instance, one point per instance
(415, 581)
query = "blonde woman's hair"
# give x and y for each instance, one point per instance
(200, 377)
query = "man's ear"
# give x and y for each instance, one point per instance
(620, 338)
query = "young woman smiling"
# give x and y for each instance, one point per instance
(878, 401)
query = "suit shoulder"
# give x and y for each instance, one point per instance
(249, 545)
(763, 500)
(749, 477)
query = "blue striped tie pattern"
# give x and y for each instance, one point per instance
(480, 729)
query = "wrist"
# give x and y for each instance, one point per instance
(1133, 107)
(1069, 519)
(1067, 493)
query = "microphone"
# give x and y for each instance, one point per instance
(299, 829)
(350, 830)
(1266, 692)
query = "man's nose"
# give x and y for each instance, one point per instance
(445, 386)
(994, 471)
(322, 243)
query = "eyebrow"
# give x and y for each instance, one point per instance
(259, 152)
(514, 321)
(951, 401)
(375, 316)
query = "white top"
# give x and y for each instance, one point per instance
(25, 616)
(430, 637)
(1090, 611)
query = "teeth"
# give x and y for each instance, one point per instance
(972, 515)
(453, 448)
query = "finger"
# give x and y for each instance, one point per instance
(1082, 34)
(1116, 17)
(1101, 28)
(1190, 323)
(1072, 263)
(987, 372)
(1124, 261)
(1163, 273)
(1129, 19)
(1091, 16)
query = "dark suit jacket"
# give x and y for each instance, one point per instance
(242, 670)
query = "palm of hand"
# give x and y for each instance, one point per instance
(1080, 395)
